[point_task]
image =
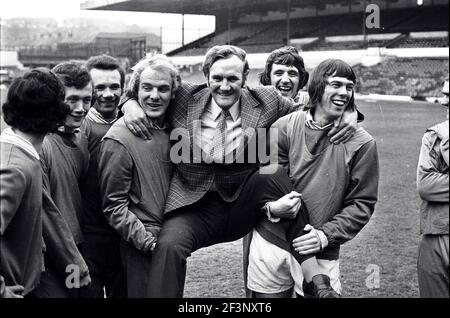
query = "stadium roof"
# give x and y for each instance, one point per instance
(202, 7)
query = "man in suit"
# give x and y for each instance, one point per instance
(208, 199)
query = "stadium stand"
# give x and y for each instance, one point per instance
(409, 42)
(423, 40)
(415, 77)
(314, 27)
(263, 37)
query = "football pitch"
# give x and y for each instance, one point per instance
(381, 260)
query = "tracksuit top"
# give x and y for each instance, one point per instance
(339, 183)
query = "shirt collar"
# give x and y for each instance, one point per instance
(63, 130)
(98, 118)
(9, 136)
(234, 110)
(158, 126)
(310, 123)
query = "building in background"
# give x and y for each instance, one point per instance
(406, 54)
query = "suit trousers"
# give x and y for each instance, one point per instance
(209, 221)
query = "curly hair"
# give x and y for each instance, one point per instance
(157, 62)
(72, 74)
(35, 102)
(108, 63)
(286, 55)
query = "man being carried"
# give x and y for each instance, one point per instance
(208, 198)
(338, 185)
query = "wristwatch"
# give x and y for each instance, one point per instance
(266, 210)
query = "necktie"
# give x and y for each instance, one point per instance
(218, 144)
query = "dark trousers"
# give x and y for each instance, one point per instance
(276, 186)
(102, 255)
(433, 266)
(53, 284)
(204, 223)
(136, 266)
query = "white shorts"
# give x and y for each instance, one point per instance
(273, 270)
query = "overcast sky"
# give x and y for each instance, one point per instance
(195, 26)
(61, 9)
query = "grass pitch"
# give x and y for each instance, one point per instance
(386, 246)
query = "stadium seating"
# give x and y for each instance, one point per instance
(415, 77)
(262, 37)
(409, 42)
(401, 28)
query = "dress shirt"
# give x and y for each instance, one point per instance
(209, 120)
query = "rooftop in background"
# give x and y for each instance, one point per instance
(201, 7)
(208, 7)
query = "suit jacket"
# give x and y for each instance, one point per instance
(260, 108)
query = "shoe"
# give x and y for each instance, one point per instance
(319, 288)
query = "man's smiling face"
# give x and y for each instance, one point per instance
(336, 97)
(226, 78)
(286, 79)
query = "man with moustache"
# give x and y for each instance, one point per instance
(208, 200)
(101, 242)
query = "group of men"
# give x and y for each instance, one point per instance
(62, 134)
(124, 215)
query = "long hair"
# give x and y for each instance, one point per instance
(326, 69)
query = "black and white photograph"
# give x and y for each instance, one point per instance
(224, 153)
